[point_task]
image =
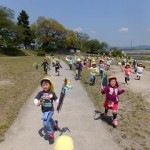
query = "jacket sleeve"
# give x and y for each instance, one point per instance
(105, 90)
(121, 92)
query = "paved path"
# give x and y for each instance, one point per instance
(76, 120)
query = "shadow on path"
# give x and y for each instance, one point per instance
(100, 116)
(43, 134)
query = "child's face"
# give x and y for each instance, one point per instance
(113, 83)
(46, 86)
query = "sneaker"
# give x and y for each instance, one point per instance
(56, 126)
(51, 136)
(115, 122)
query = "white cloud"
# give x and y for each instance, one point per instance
(123, 29)
(78, 29)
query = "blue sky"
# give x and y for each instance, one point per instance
(114, 21)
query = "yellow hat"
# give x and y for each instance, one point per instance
(140, 64)
(47, 79)
(64, 142)
(78, 59)
(111, 77)
(127, 64)
(119, 63)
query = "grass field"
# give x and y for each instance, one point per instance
(133, 131)
(18, 80)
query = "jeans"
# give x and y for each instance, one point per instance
(78, 72)
(48, 121)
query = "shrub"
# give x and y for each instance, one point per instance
(11, 51)
(40, 53)
(51, 54)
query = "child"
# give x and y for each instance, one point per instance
(57, 67)
(36, 66)
(123, 65)
(92, 78)
(79, 67)
(139, 71)
(127, 72)
(53, 61)
(70, 63)
(45, 65)
(101, 68)
(112, 91)
(108, 63)
(45, 99)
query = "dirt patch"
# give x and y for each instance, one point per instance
(6, 83)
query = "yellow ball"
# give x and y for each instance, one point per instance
(64, 142)
(119, 63)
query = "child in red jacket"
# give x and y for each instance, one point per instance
(112, 91)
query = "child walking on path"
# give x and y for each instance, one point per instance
(92, 78)
(79, 67)
(112, 91)
(127, 71)
(45, 99)
(45, 65)
(57, 67)
(139, 70)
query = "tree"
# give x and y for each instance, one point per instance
(6, 26)
(93, 45)
(49, 32)
(23, 27)
(82, 40)
(104, 45)
(71, 40)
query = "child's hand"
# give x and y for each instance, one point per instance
(51, 96)
(126, 88)
(39, 103)
(102, 87)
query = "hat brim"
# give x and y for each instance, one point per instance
(52, 86)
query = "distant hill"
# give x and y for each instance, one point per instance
(140, 47)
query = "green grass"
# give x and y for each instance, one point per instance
(18, 80)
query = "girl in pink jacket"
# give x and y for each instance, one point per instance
(112, 91)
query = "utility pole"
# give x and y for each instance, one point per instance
(131, 44)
